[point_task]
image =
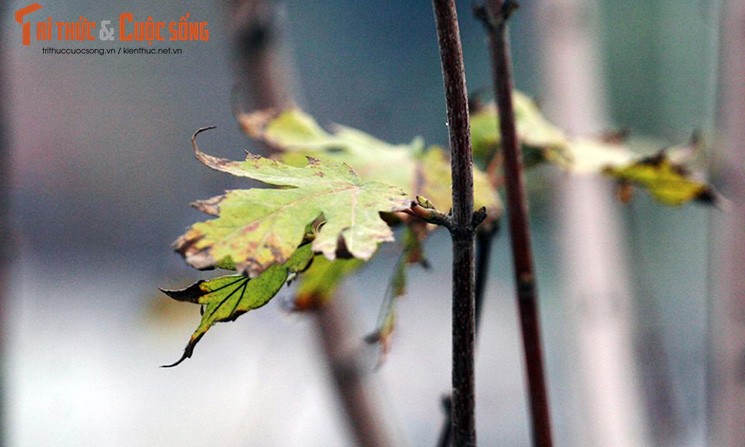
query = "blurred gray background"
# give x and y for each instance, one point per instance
(102, 174)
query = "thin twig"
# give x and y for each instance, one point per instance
(484, 240)
(462, 229)
(446, 433)
(494, 16)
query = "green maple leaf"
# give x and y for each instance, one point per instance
(418, 170)
(257, 228)
(228, 297)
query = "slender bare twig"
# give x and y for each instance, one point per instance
(494, 16)
(462, 229)
(263, 76)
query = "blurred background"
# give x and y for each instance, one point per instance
(100, 175)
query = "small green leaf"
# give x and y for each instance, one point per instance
(258, 228)
(228, 297)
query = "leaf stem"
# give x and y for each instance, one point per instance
(494, 16)
(462, 228)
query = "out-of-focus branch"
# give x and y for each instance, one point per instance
(260, 70)
(350, 375)
(727, 281)
(263, 77)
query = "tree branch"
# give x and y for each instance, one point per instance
(494, 16)
(348, 372)
(462, 229)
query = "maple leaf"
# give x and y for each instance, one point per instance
(417, 170)
(228, 297)
(665, 177)
(257, 228)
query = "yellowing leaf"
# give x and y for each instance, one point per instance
(228, 297)
(664, 176)
(666, 181)
(257, 228)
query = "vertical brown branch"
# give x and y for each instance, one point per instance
(461, 230)
(264, 78)
(261, 73)
(494, 16)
